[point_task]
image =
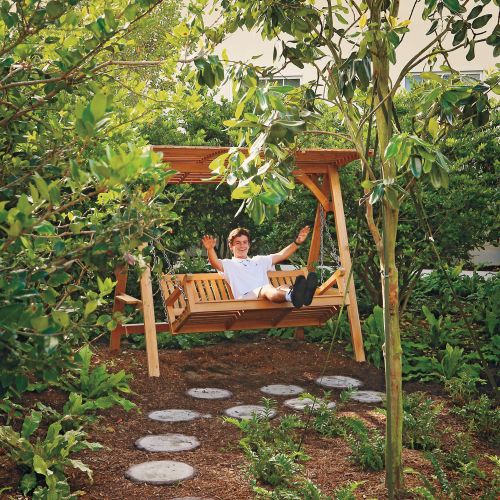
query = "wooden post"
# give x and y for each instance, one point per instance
(345, 259)
(121, 273)
(299, 333)
(149, 323)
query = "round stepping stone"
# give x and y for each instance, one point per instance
(368, 396)
(174, 415)
(282, 390)
(209, 393)
(244, 412)
(160, 472)
(339, 382)
(167, 442)
(303, 403)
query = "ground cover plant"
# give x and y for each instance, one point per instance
(45, 460)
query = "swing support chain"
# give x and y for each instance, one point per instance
(170, 271)
(334, 254)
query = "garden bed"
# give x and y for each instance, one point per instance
(243, 367)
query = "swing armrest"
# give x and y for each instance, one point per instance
(334, 278)
(173, 297)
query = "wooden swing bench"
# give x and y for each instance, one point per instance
(204, 302)
(208, 305)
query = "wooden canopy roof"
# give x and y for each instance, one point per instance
(191, 162)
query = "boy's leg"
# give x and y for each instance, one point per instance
(280, 294)
(273, 294)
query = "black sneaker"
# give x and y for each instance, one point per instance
(311, 284)
(298, 291)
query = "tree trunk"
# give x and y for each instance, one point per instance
(393, 354)
(390, 214)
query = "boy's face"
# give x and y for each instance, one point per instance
(240, 247)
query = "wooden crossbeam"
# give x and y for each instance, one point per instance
(315, 190)
(129, 300)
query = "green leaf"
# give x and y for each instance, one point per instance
(98, 106)
(61, 318)
(239, 109)
(428, 75)
(377, 193)
(84, 356)
(40, 466)
(416, 166)
(53, 432)
(59, 278)
(454, 6)
(480, 22)
(78, 464)
(40, 323)
(433, 127)
(28, 483)
(90, 307)
(256, 211)
(475, 12)
(262, 99)
(42, 187)
(55, 9)
(393, 147)
(471, 52)
(30, 424)
(270, 198)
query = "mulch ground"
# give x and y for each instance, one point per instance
(242, 367)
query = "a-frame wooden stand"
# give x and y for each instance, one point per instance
(329, 196)
(316, 169)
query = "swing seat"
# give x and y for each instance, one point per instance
(208, 305)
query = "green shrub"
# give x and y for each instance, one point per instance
(373, 336)
(326, 421)
(463, 484)
(346, 492)
(481, 417)
(420, 419)
(367, 445)
(493, 490)
(463, 388)
(97, 384)
(459, 454)
(45, 460)
(272, 451)
(76, 412)
(301, 489)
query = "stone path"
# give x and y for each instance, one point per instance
(166, 472)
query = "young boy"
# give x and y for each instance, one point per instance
(247, 276)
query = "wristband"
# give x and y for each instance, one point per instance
(297, 243)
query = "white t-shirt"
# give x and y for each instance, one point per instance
(245, 275)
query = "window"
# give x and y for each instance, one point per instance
(415, 78)
(293, 81)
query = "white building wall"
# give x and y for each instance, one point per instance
(244, 45)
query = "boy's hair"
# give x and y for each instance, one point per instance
(239, 231)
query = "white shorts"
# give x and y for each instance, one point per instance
(251, 295)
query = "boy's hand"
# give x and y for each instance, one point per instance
(303, 233)
(208, 242)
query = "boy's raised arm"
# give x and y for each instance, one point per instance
(289, 250)
(209, 243)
